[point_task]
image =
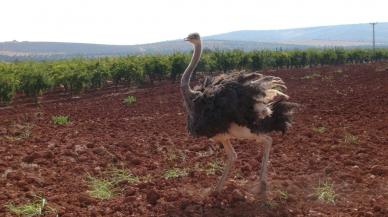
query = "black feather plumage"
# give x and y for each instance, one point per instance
(230, 98)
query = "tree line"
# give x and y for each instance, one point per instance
(32, 78)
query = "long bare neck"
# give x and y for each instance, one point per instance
(186, 90)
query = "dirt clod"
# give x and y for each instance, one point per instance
(152, 197)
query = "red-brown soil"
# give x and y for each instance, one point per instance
(40, 158)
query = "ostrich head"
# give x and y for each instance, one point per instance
(193, 38)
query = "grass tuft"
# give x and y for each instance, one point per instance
(146, 179)
(311, 76)
(23, 131)
(214, 167)
(175, 155)
(283, 194)
(319, 129)
(325, 192)
(339, 71)
(129, 100)
(122, 175)
(350, 138)
(102, 189)
(60, 120)
(174, 173)
(35, 208)
(106, 187)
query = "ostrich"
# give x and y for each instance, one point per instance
(236, 105)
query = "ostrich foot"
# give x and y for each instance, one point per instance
(258, 189)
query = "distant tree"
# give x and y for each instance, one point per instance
(124, 70)
(313, 57)
(282, 59)
(178, 63)
(257, 60)
(156, 67)
(340, 55)
(98, 74)
(328, 57)
(8, 85)
(207, 63)
(33, 82)
(298, 58)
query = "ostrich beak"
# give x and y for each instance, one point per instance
(186, 39)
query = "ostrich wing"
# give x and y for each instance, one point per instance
(270, 88)
(247, 99)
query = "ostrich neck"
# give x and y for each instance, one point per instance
(186, 90)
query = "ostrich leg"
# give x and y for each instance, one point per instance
(232, 156)
(264, 166)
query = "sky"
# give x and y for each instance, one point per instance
(128, 22)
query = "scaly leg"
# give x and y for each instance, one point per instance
(264, 166)
(232, 156)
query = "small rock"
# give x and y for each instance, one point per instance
(130, 198)
(379, 170)
(118, 214)
(3, 131)
(194, 210)
(92, 211)
(32, 179)
(136, 161)
(152, 197)
(14, 175)
(30, 158)
(31, 166)
(48, 154)
(79, 148)
(51, 145)
(99, 151)
(172, 196)
(78, 169)
(130, 192)
(108, 211)
(85, 200)
(315, 213)
(237, 196)
(5, 174)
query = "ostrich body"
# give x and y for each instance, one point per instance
(236, 105)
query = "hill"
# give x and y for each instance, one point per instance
(339, 35)
(353, 35)
(58, 50)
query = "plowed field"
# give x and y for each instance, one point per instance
(339, 140)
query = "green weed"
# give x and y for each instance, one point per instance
(122, 175)
(311, 76)
(23, 131)
(325, 192)
(350, 138)
(339, 71)
(100, 188)
(213, 167)
(36, 208)
(327, 78)
(146, 179)
(175, 155)
(105, 188)
(174, 173)
(319, 129)
(60, 120)
(129, 100)
(283, 194)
